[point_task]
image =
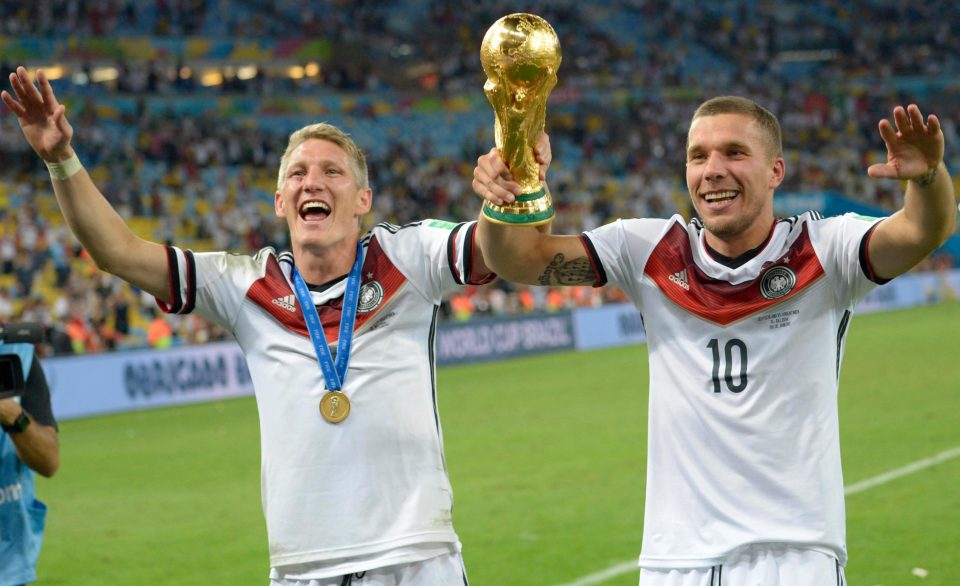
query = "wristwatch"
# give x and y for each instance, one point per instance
(20, 424)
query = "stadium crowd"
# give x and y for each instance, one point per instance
(632, 73)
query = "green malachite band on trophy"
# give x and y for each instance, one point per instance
(530, 196)
(536, 218)
(529, 209)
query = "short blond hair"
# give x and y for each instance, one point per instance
(329, 133)
(769, 124)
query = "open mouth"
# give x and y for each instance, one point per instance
(314, 211)
(720, 196)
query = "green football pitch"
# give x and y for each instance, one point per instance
(546, 455)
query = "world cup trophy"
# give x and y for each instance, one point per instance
(520, 55)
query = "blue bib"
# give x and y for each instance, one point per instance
(22, 516)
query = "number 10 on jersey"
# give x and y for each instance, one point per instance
(733, 351)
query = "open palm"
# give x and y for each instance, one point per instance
(42, 118)
(913, 148)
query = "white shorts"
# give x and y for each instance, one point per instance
(443, 570)
(756, 565)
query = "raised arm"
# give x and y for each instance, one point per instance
(928, 217)
(525, 254)
(105, 235)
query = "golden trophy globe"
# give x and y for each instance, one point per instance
(520, 55)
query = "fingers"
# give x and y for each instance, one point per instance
(31, 101)
(916, 118)
(46, 92)
(15, 107)
(60, 117)
(496, 192)
(492, 192)
(910, 125)
(910, 121)
(882, 171)
(887, 133)
(16, 86)
(542, 151)
(901, 120)
(25, 91)
(492, 179)
(542, 156)
(29, 90)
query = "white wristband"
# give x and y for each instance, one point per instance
(64, 170)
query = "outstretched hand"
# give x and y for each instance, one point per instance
(41, 117)
(913, 149)
(492, 179)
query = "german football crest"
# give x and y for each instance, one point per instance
(371, 295)
(777, 282)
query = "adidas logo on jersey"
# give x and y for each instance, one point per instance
(681, 279)
(287, 302)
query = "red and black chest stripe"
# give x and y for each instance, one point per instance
(672, 268)
(378, 275)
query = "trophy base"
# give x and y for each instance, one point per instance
(528, 209)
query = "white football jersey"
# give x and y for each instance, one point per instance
(376, 484)
(743, 440)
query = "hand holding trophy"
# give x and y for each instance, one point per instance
(520, 55)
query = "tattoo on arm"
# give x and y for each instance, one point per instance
(927, 179)
(560, 271)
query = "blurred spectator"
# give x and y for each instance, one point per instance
(6, 305)
(461, 306)
(159, 332)
(632, 72)
(81, 334)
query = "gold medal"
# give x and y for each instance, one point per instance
(334, 406)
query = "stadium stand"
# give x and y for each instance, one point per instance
(183, 106)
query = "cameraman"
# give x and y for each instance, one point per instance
(28, 442)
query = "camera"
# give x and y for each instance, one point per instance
(12, 377)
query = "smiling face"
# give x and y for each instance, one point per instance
(731, 175)
(321, 199)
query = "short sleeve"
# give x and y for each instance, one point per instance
(619, 250)
(841, 244)
(435, 255)
(212, 283)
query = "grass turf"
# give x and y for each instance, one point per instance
(546, 456)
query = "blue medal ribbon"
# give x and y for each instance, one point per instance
(333, 374)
